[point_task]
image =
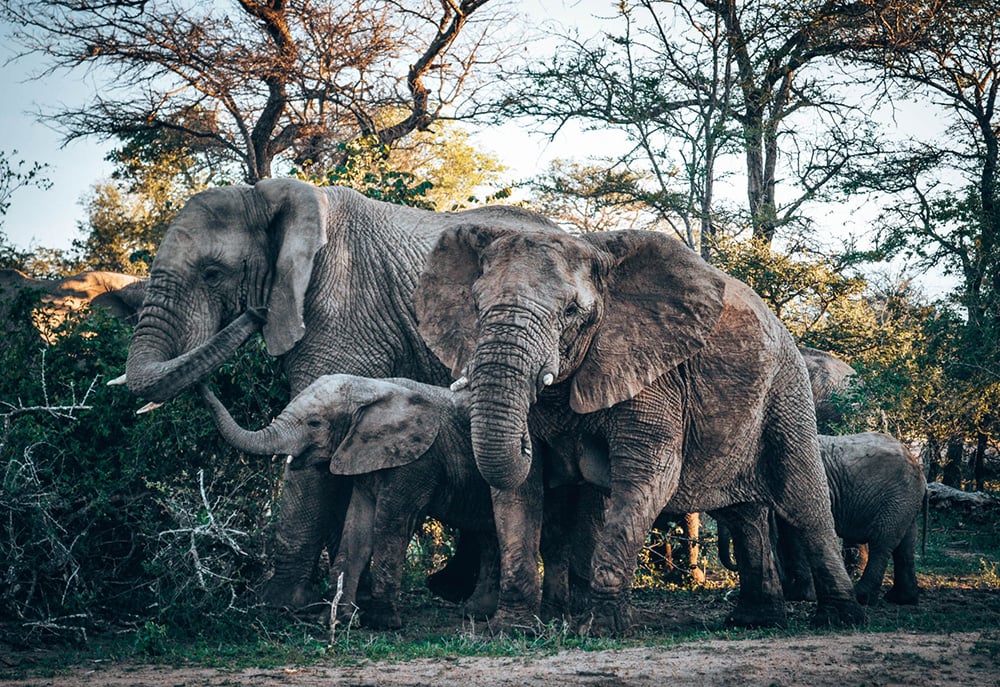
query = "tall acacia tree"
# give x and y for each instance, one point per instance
(703, 86)
(944, 208)
(268, 79)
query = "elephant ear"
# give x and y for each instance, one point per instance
(393, 429)
(446, 309)
(298, 229)
(662, 303)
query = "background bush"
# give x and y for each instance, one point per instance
(108, 517)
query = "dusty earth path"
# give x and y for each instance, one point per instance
(857, 658)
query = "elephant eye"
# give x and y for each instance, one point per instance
(213, 275)
(314, 423)
(571, 310)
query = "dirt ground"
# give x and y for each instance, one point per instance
(859, 657)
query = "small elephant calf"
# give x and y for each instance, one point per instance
(407, 445)
(877, 491)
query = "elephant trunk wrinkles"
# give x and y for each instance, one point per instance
(153, 374)
(277, 437)
(501, 397)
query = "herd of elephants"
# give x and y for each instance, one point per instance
(548, 395)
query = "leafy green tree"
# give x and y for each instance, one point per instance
(270, 80)
(154, 174)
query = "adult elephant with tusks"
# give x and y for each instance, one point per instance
(628, 355)
(328, 276)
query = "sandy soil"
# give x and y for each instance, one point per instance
(829, 659)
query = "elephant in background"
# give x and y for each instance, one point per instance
(877, 491)
(120, 294)
(407, 445)
(625, 353)
(327, 275)
(830, 378)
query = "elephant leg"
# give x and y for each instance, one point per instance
(904, 570)
(392, 532)
(353, 555)
(793, 564)
(868, 587)
(518, 516)
(801, 496)
(760, 602)
(311, 513)
(457, 580)
(637, 497)
(482, 603)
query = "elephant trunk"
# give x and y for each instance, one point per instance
(155, 374)
(503, 388)
(277, 437)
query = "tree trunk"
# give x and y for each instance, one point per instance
(952, 476)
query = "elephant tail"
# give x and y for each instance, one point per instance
(726, 547)
(926, 512)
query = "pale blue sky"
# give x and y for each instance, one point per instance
(50, 218)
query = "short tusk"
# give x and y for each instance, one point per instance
(289, 459)
(459, 383)
(548, 379)
(152, 405)
(117, 381)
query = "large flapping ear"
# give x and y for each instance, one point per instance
(298, 226)
(446, 310)
(662, 303)
(394, 428)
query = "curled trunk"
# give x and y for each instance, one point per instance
(275, 438)
(155, 373)
(501, 398)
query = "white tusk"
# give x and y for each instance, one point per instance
(152, 405)
(289, 459)
(459, 383)
(548, 379)
(117, 381)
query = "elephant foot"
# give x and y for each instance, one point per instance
(608, 618)
(764, 615)
(480, 605)
(839, 613)
(381, 615)
(293, 598)
(866, 597)
(514, 621)
(902, 596)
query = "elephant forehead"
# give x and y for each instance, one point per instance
(543, 264)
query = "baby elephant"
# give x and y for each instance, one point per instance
(407, 445)
(877, 490)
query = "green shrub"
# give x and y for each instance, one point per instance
(111, 519)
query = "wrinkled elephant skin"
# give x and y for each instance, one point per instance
(334, 273)
(625, 348)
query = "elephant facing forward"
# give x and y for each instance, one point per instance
(626, 349)
(407, 446)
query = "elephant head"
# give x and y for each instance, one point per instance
(355, 425)
(230, 253)
(515, 312)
